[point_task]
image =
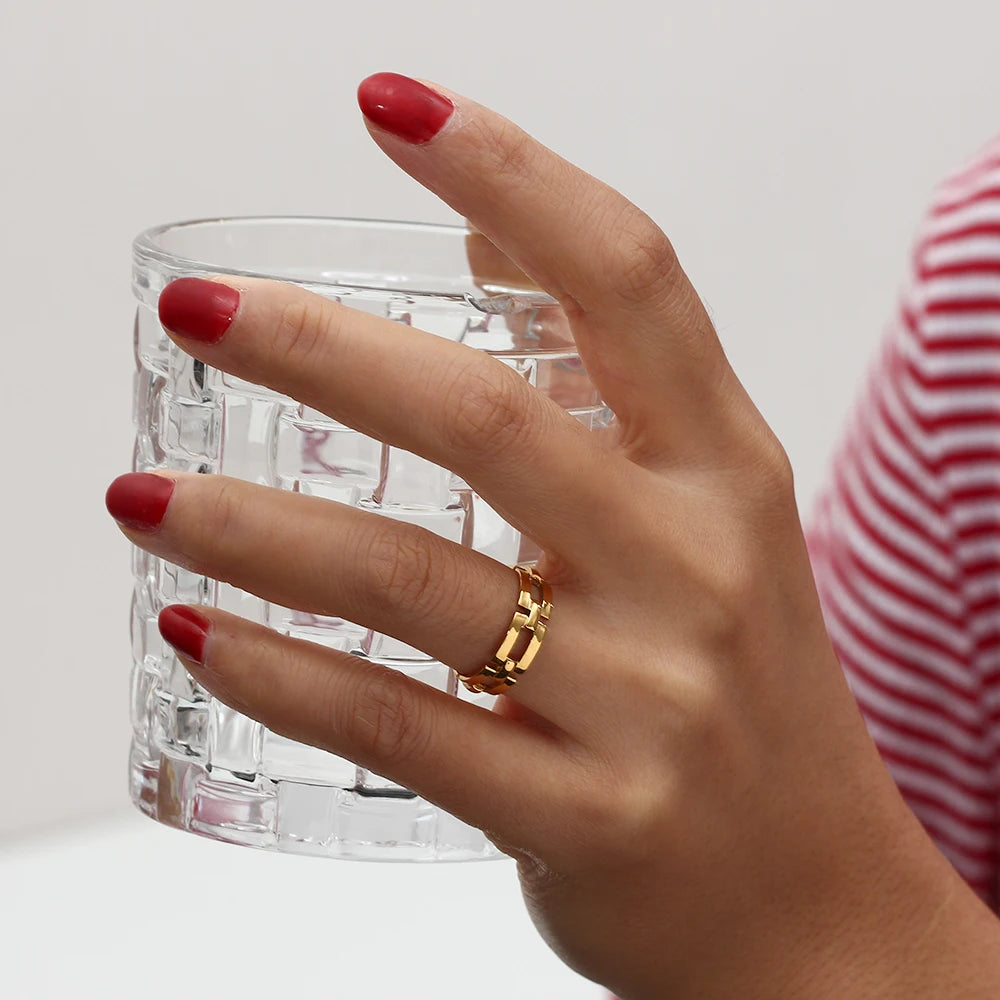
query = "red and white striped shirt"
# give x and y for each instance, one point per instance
(905, 541)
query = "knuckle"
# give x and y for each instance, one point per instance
(215, 541)
(606, 825)
(304, 325)
(694, 709)
(647, 804)
(390, 724)
(645, 265)
(700, 706)
(401, 570)
(762, 480)
(511, 151)
(620, 811)
(487, 412)
(730, 606)
(774, 470)
(226, 510)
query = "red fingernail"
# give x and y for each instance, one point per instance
(186, 630)
(403, 106)
(199, 309)
(139, 499)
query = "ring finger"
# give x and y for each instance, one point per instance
(395, 578)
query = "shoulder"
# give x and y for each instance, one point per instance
(960, 234)
(971, 179)
(950, 306)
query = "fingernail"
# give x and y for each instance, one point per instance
(139, 499)
(186, 630)
(198, 309)
(403, 106)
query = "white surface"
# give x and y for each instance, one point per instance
(787, 148)
(134, 910)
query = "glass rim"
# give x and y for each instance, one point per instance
(145, 246)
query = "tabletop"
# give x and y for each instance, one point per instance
(128, 908)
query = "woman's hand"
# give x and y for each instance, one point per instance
(693, 802)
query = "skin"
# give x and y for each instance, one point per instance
(694, 804)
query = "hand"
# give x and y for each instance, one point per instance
(690, 794)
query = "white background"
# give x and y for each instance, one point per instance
(788, 148)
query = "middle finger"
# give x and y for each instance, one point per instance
(446, 402)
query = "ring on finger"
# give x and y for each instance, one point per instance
(530, 622)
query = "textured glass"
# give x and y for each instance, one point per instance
(195, 763)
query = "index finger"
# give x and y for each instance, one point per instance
(646, 338)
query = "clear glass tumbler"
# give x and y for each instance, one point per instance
(195, 763)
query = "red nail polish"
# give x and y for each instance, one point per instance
(403, 106)
(186, 630)
(139, 499)
(199, 309)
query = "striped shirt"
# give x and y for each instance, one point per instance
(905, 539)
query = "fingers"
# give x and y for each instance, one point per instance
(470, 762)
(446, 402)
(643, 332)
(332, 559)
(523, 197)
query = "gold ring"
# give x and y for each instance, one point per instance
(530, 621)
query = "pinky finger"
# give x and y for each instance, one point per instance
(503, 776)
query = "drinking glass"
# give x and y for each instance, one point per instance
(195, 763)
